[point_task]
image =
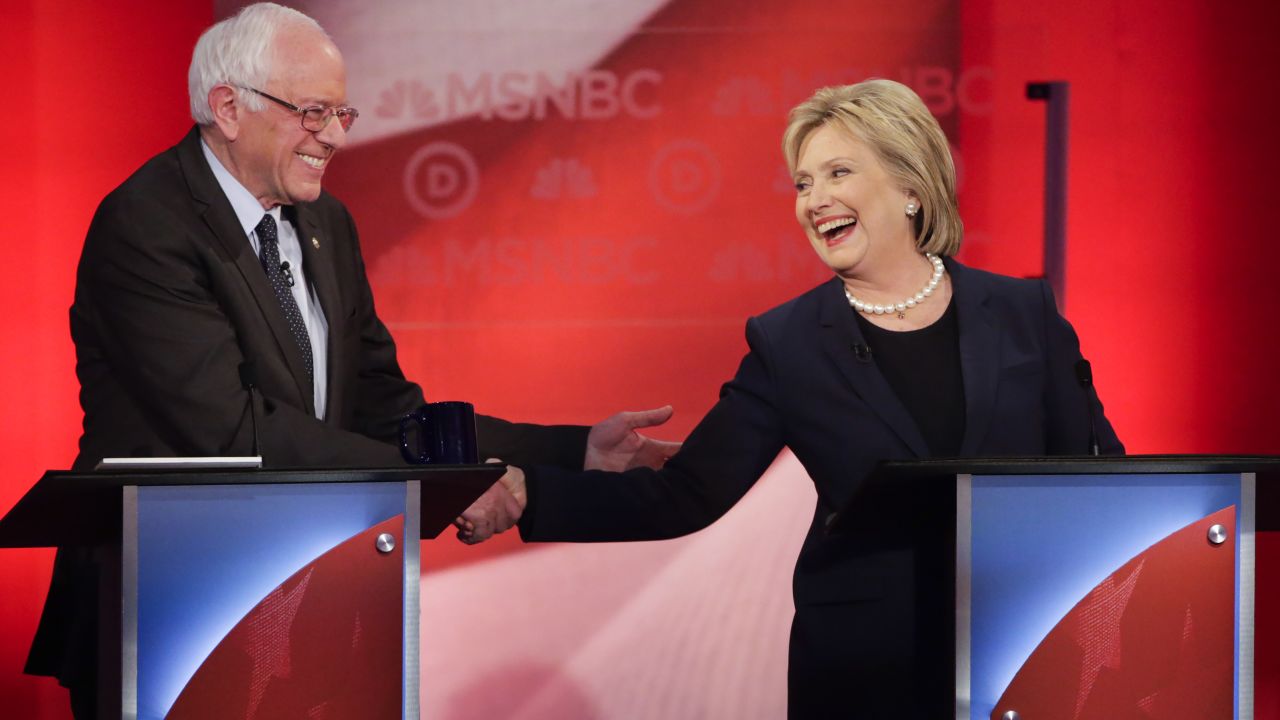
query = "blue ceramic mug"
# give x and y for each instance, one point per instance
(446, 434)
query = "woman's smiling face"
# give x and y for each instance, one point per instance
(849, 207)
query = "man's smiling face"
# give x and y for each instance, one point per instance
(275, 158)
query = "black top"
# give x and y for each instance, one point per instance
(923, 369)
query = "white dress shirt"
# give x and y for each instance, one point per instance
(249, 212)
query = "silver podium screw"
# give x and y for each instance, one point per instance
(1217, 534)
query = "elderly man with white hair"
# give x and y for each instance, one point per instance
(221, 264)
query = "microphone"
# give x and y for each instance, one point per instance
(249, 379)
(862, 352)
(1084, 376)
(287, 271)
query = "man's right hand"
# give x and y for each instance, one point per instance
(496, 511)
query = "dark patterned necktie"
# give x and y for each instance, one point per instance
(269, 254)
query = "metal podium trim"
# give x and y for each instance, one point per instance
(1245, 598)
(129, 604)
(964, 586)
(412, 585)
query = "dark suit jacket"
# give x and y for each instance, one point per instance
(170, 302)
(868, 639)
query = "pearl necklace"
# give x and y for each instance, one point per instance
(902, 307)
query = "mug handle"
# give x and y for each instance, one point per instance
(420, 417)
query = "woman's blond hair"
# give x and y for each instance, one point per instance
(892, 120)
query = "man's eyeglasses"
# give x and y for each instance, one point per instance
(315, 117)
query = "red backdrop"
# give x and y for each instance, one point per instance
(1168, 279)
(96, 89)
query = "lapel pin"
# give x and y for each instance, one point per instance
(315, 243)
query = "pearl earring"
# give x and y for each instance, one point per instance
(912, 209)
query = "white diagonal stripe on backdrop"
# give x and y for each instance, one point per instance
(694, 627)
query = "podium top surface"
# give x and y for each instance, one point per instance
(83, 508)
(1083, 464)
(921, 482)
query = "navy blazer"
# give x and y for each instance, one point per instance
(865, 624)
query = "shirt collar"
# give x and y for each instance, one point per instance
(247, 208)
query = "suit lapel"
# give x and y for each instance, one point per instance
(979, 354)
(317, 254)
(221, 221)
(840, 335)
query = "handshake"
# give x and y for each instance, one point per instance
(614, 444)
(496, 510)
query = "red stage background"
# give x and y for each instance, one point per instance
(608, 260)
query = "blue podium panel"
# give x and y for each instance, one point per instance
(1041, 544)
(207, 555)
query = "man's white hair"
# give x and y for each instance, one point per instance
(238, 52)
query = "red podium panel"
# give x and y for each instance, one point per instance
(1156, 637)
(326, 643)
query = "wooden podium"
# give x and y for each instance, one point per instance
(253, 593)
